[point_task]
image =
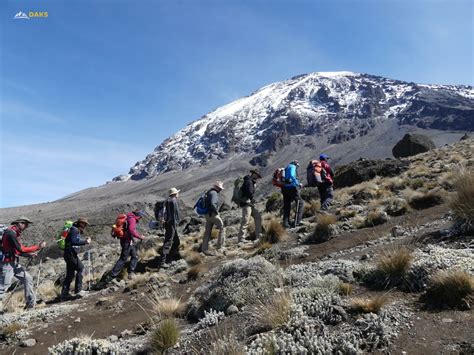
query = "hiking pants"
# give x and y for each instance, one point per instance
(290, 195)
(128, 249)
(326, 195)
(210, 222)
(13, 269)
(248, 211)
(74, 266)
(171, 243)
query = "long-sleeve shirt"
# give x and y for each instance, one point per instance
(213, 202)
(12, 246)
(74, 240)
(248, 190)
(172, 211)
(131, 231)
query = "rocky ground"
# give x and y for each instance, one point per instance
(329, 286)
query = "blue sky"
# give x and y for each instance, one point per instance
(97, 85)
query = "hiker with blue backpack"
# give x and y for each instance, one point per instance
(213, 204)
(74, 265)
(170, 218)
(247, 204)
(291, 192)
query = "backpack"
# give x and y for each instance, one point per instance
(290, 172)
(315, 174)
(120, 226)
(61, 237)
(202, 205)
(237, 196)
(160, 213)
(278, 178)
(2, 229)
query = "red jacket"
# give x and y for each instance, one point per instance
(329, 173)
(12, 246)
(131, 232)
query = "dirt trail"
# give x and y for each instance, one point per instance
(102, 322)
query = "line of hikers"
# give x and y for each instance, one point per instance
(168, 215)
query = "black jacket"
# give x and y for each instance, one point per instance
(213, 202)
(74, 240)
(247, 190)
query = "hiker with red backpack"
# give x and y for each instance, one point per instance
(247, 204)
(326, 187)
(291, 192)
(10, 265)
(128, 242)
(74, 265)
(171, 218)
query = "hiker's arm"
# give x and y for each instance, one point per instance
(132, 228)
(75, 238)
(214, 205)
(170, 213)
(19, 247)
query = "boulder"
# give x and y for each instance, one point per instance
(465, 137)
(412, 144)
(366, 169)
(28, 343)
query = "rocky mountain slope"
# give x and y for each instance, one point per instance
(315, 110)
(355, 281)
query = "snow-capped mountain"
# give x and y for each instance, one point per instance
(335, 106)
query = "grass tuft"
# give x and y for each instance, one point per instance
(193, 258)
(422, 200)
(164, 336)
(274, 232)
(195, 271)
(322, 231)
(345, 289)
(462, 203)
(450, 289)
(275, 312)
(393, 266)
(373, 305)
(11, 329)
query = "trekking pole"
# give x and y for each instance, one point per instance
(39, 269)
(297, 210)
(89, 262)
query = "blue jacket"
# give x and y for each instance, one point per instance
(74, 240)
(291, 178)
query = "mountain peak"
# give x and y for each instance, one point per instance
(332, 107)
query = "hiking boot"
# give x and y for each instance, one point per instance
(286, 225)
(29, 306)
(209, 253)
(130, 276)
(67, 297)
(81, 294)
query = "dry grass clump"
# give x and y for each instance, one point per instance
(164, 336)
(48, 290)
(416, 183)
(447, 180)
(462, 203)
(395, 206)
(274, 202)
(214, 233)
(167, 307)
(450, 289)
(195, 271)
(322, 231)
(376, 217)
(274, 312)
(345, 289)
(139, 279)
(373, 305)
(262, 247)
(311, 208)
(392, 266)
(418, 171)
(224, 344)
(394, 184)
(346, 213)
(422, 200)
(147, 254)
(11, 329)
(274, 232)
(193, 258)
(14, 302)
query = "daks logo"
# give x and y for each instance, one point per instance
(21, 15)
(31, 14)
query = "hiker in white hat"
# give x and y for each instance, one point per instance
(212, 218)
(170, 248)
